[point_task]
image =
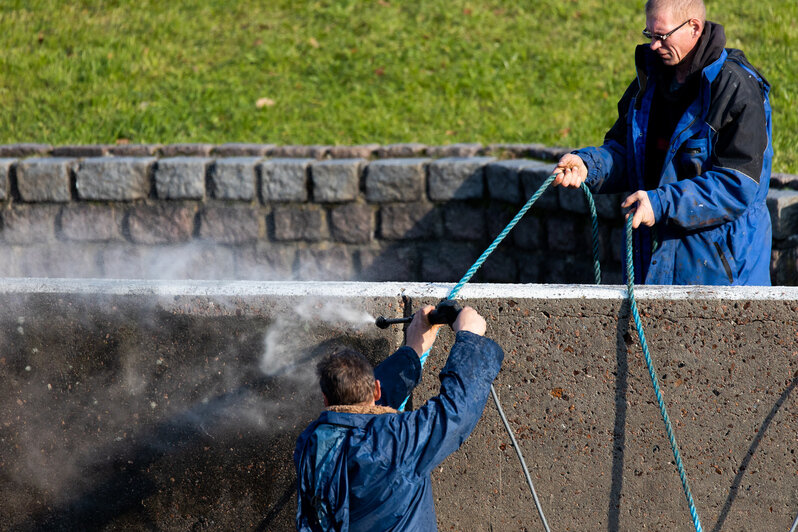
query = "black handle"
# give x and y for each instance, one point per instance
(445, 313)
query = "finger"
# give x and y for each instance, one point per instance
(637, 219)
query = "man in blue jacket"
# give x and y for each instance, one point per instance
(693, 139)
(364, 466)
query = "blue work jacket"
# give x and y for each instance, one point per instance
(712, 223)
(370, 471)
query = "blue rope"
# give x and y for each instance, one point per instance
(630, 283)
(638, 324)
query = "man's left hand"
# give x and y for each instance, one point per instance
(641, 209)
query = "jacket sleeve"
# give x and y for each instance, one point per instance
(398, 375)
(426, 436)
(730, 184)
(606, 165)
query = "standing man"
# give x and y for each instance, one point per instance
(693, 139)
(364, 466)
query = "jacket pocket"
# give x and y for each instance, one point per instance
(691, 158)
(725, 256)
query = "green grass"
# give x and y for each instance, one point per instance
(348, 72)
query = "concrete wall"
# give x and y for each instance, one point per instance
(404, 212)
(174, 406)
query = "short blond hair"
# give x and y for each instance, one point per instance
(681, 9)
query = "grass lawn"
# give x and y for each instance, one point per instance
(348, 72)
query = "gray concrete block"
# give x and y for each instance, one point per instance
(449, 261)
(572, 200)
(396, 180)
(336, 180)
(565, 233)
(6, 166)
(302, 222)
(231, 225)
(114, 178)
(464, 222)
(28, 224)
(134, 150)
(235, 178)
(531, 180)
(608, 206)
(182, 261)
(186, 150)
(285, 180)
(90, 223)
(410, 221)
(265, 261)
(398, 261)
(58, 259)
(500, 267)
(352, 223)
(160, 223)
(300, 152)
(455, 150)
(409, 149)
(363, 151)
(457, 178)
(783, 207)
(503, 179)
(24, 149)
(81, 150)
(328, 263)
(784, 181)
(240, 149)
(44, 179)
(527, 234)
(181, 177)
(513, 150)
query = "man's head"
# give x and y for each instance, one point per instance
(681, 20)
(347, 378)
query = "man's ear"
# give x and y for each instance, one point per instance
(326, 402)
(377, 390)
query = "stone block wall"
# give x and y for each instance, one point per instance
(404, 212)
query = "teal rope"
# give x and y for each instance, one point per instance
(638, 324)
(630, 275)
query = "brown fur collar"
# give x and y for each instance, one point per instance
(361, 409)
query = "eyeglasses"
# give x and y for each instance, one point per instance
(648, 35)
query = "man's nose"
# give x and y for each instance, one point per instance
(655, 43)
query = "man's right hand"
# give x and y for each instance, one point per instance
(421, 333)
(469, 320)
(570, 171)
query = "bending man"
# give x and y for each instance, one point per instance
(693, 139)
(364, 466)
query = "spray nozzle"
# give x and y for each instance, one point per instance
(445, 313)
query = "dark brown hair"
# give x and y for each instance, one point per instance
(346, 377)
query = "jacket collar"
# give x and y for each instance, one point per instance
(352, 416)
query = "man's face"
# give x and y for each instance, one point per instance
(676, 47)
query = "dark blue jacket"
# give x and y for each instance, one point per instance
(370, 472)
(713, 226)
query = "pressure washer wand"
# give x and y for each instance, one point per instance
(445, 314)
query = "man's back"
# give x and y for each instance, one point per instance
(368, 468)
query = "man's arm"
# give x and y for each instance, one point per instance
(401, 372)
(426, 436)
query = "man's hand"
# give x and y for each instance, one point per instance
(420, 333)
(469, 320)
(642, 211)
(570, 171)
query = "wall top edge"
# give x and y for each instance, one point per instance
(127, 287)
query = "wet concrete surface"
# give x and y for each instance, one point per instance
(177, 409)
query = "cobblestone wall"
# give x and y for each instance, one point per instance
(404, 212)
